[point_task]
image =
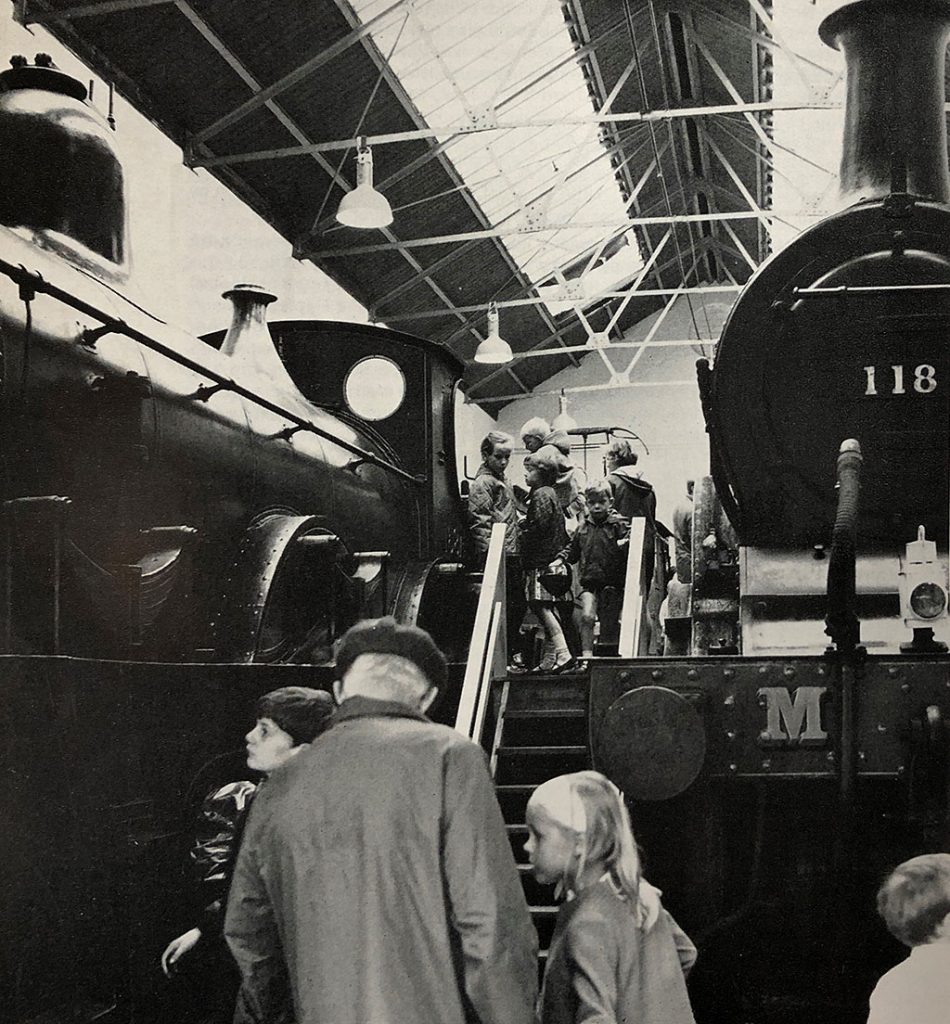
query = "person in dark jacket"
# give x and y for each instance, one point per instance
(634, 498)
(599, 549)
(375, 868)
(288, 720)
(491, 500)
(543, 536)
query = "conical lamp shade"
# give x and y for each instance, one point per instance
(494, 348)
(564, 420)
(364, 207)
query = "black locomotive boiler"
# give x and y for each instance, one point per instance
(799, 746)
(177, 498)
(186, 523)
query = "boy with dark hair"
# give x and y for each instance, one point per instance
(491, 500)
(288, 720)
(599, 549)
(915, 904)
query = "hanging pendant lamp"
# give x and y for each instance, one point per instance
(564, 420)
(494, 348)
(364, 207)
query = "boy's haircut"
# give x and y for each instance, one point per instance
(303, 713)
(492, 438)
(622, 452)
(915, 898)
(545, 466)
(536, 427)
(599, 489)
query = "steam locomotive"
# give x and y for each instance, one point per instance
(186, 523)
(799, 747)
(174, 498)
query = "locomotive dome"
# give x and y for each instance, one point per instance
(62, 177)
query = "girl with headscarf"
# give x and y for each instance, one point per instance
(616, 954)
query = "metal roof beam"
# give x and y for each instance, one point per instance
(48, 17)
(653, 343)
(432, 132)
(700, 289)
(689, 382)
(467, 236)
(262, 95)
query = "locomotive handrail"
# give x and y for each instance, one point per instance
(847, 289)
(487, 650)
(31, 282)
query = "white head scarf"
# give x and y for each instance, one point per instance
(559, 800)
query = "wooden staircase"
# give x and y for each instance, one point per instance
(540, 731)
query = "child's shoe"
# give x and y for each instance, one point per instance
(564, 662)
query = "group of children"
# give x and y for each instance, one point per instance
(597, 547)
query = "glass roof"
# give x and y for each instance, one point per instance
(495, 60)
(808, 141)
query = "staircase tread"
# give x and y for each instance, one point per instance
(547, 908)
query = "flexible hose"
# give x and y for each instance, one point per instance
(842, 622)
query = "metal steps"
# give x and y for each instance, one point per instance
(540, 731)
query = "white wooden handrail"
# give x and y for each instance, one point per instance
(487, 657)
(634, 600)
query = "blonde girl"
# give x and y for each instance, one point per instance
(616, 954)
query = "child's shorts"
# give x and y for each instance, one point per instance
(534, 589)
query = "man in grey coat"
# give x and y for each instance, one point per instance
(375, 875)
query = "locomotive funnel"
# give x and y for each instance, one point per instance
(62, 179)
(895, 133)
(248, 341)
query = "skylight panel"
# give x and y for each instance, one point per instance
(472, 63)
(801, 192)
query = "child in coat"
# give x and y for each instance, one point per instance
(288, 720)
(616, 956)
(599, 549)
(915, 904)
(543, 535)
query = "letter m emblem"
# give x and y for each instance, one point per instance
(793, 722)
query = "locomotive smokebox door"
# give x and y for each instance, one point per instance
(651, 743)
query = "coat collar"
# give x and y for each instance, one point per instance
(369, 707)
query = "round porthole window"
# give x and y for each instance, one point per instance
(374, 388)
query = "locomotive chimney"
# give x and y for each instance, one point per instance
(62, 178)
(249, 340)
(895, 133)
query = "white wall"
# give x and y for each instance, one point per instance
(665, 412)
(191, 239)
(471, 425)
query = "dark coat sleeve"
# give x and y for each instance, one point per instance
(489, 916)
(251, 932)
(217, 838)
